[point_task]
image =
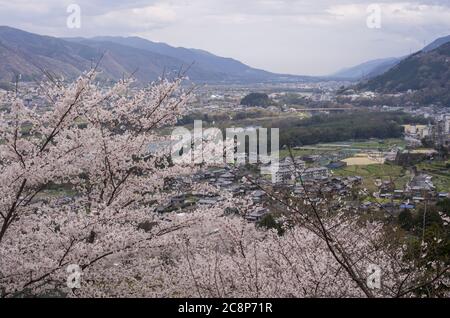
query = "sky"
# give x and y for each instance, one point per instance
(304, 37)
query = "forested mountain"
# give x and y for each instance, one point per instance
(426, 75)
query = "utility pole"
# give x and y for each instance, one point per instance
(424, 218)
(17, 78)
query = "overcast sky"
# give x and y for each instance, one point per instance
(311, 37)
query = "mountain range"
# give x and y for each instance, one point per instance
(29, 54)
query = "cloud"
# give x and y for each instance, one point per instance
(289, 36)
(136, 19)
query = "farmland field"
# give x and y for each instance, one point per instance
(370, 173)
(440, 173)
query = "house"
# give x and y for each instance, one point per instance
(227, 175)
(224, 183)
(421, 185)
(387, 186)
(391, 156)
(398, 194)
(257, 214)
(355, 180)
(311, 158)
(257, 196)
(179, 199)
(299, 190)
(207, 202)
(225, 179)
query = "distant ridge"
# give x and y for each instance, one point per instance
(373, 68)
(368, 69)
(437, 43)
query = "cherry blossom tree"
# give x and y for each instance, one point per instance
(240, 260)
(94, 142)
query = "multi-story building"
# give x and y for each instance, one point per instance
(315, 173)
(287, 170)
(442, 131)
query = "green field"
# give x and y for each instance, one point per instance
(384, 145)
(302, 152)
(375, 144)
(351, 146)
(370, 173)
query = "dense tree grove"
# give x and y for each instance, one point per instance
(341, 127)
(332, 127)
(256, 99)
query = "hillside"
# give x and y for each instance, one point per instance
(427, 74)
(26, 54)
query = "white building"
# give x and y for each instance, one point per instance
(315, 173)
(289, 171)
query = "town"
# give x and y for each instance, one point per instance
(387, 176)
